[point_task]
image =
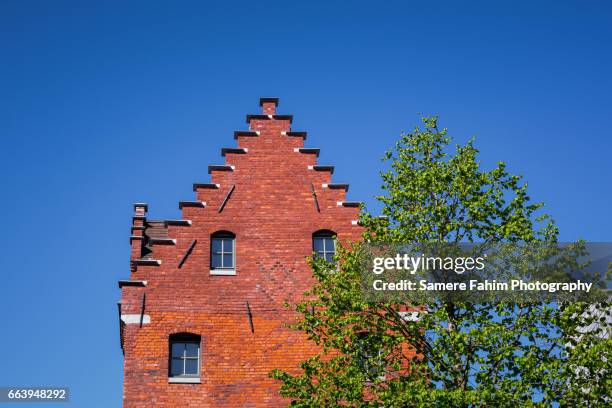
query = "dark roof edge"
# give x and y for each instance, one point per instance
(248, 133)
(205, 185)
(145, 262)
(319, 167)
(338, 186)
(268, 100)
(199, 204)
(162, 241)
(178, 222)
(297, 134)
(137, 283)
(250, 117)
(309, 150)
(234, 150)
(220, 167)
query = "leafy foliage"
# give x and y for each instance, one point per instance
(454, 354)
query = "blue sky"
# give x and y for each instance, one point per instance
(108, 103)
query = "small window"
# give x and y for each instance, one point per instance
(369, 357)
(324, 245)
(184, 358)
(223, 253)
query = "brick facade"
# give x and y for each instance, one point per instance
(264, 195)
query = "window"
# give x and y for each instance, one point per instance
(184, 358)
(223, 253)
(370, 357)
(324, 244)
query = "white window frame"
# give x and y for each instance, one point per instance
(324, 236)
(223, 271)
(185, 378)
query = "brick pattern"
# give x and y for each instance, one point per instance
(273, 214)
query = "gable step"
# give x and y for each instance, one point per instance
(349, 203)
(199, 204)
(269, 117)
(322, 168)
(297, 134)
(162, 241)
(220, 167)
(147, 262)
(247, 133)
(268, 100)
(338, 186)
(137, 283)
(308, 150)
(283, 117)
(205, 185)
(182, 223)
(233, 150)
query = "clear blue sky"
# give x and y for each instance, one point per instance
(107, 104)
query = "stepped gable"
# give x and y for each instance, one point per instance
(272, 194)
(268, 153)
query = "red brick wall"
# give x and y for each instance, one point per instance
(273, 214)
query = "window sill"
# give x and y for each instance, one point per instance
(223, 272)
(184, 380)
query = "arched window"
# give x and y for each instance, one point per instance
(324, 244)
(223, 253)
(184, 358)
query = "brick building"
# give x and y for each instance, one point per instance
(202, 315)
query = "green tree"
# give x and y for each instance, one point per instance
(454, 353)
